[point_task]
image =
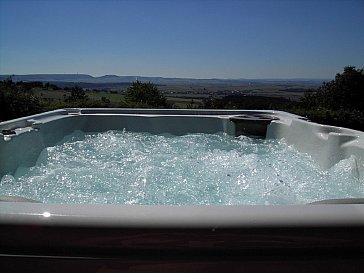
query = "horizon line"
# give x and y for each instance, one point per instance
(170, 77)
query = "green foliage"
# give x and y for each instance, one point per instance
(16, 100)
(212, 103)
(339, 102)
(78, 98)
(345, 92)
(77, 94)
(145, 95)
(105, 100)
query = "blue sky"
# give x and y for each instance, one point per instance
(198, 39)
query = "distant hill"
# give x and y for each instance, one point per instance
(50, 77)
(114, 79)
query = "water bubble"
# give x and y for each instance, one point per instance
(7, 180)
(122, 167)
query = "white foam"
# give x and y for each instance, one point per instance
(140, 168)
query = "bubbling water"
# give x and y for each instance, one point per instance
(119, 167)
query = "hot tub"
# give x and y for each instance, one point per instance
(325, 235)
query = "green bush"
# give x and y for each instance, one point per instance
(339, 102)
(145, 95)
(16, 101)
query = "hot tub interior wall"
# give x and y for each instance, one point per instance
(326, 144)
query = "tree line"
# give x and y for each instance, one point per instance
(339, 102)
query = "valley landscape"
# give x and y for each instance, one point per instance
(180, 92)
(337, 102)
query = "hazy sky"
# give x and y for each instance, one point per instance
(199, 39)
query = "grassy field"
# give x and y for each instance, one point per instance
(194, 91)
(190, 95)
(116, 100)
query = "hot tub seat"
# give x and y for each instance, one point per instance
(252, 124)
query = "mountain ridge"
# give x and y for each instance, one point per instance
(85, 78)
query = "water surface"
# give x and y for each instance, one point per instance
(119, 167)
